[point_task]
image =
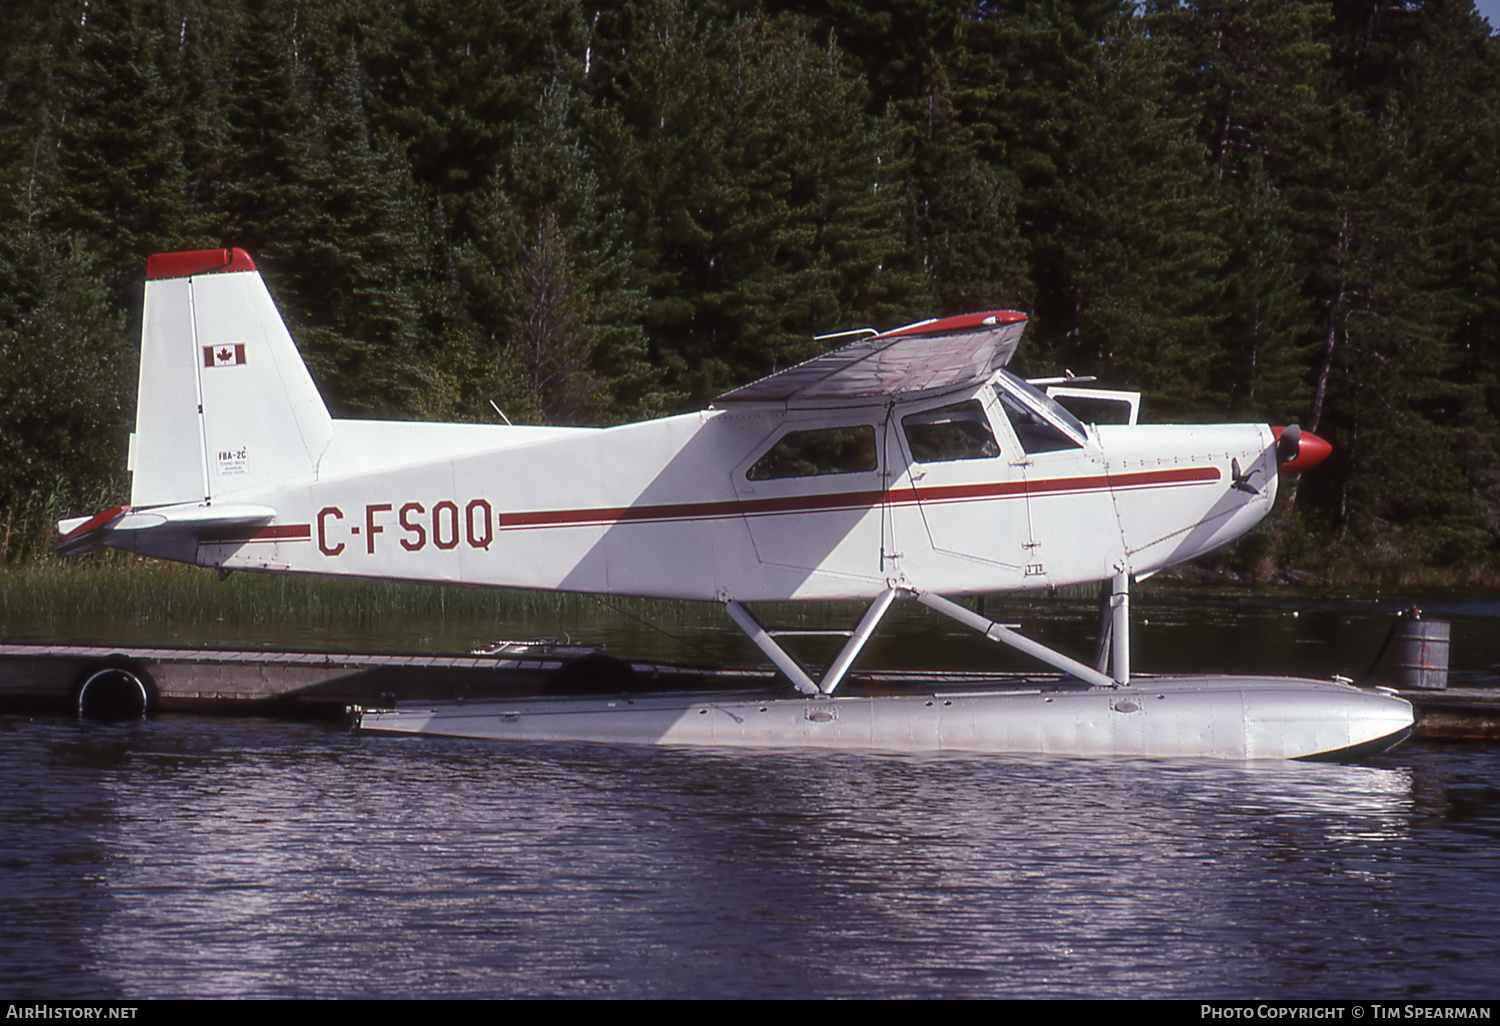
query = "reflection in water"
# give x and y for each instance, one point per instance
(189, 857)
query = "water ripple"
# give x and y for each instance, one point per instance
(193, 858)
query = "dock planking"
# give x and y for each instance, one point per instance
(292, 683)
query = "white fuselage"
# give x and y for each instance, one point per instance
(910, 460)
(668, 509)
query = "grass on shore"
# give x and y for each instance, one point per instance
(117, 596)
(117, 587)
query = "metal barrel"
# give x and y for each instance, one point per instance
(1422, 654)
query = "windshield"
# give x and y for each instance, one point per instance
(1041, 401)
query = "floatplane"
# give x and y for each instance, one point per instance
(902, 465)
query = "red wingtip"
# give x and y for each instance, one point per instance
(1311, 450)
(962, 322)
(197, 261)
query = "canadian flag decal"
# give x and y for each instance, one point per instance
(227, 355)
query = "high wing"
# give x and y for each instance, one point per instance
(928, 358)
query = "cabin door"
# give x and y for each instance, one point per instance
(965, 484)
(811, 498)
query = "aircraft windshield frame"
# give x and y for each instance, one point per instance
(1042, 404)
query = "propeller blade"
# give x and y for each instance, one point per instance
(1288, 444)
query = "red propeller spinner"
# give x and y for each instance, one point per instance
(1299, 451)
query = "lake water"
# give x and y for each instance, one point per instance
(197, 857)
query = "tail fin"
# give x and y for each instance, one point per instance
(225, 402)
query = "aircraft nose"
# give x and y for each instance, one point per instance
(1299, 451)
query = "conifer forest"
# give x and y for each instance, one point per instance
(584, 213)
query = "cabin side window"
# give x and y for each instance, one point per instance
(958, 432)
(842, 450)
(1101, 410)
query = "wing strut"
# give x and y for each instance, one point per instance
(995, 632)
(793, 669)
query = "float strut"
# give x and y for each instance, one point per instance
(767, 644)
(856, 642)
(1101, 645)
(1119, 631)
(995, 632)
(793, 669)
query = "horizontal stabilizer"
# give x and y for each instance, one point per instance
(84, 534)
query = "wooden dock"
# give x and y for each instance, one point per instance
(1456, 714)
(56, 678)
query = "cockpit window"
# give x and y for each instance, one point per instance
(1043, 400)
(841, 450)
(958, 432)
(1036, 432)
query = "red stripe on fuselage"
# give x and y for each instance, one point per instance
(1066, 485)
(833, 501)
(270, 533)
(827, 502)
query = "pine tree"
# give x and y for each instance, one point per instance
(451, 82)
(63, 377)
(962, 229)
(360, 257)
(548, 283)
(551, 176)
(261, 168)
(1118, 225)
(550, 328)
(1246, 73)
(1451, 92)
(754, 191)
(30, 35)
(1390, 384)
(204, 33)
(925, 78)
(483, 364)
(122, 185)
(896, 43)
(1262, 368)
